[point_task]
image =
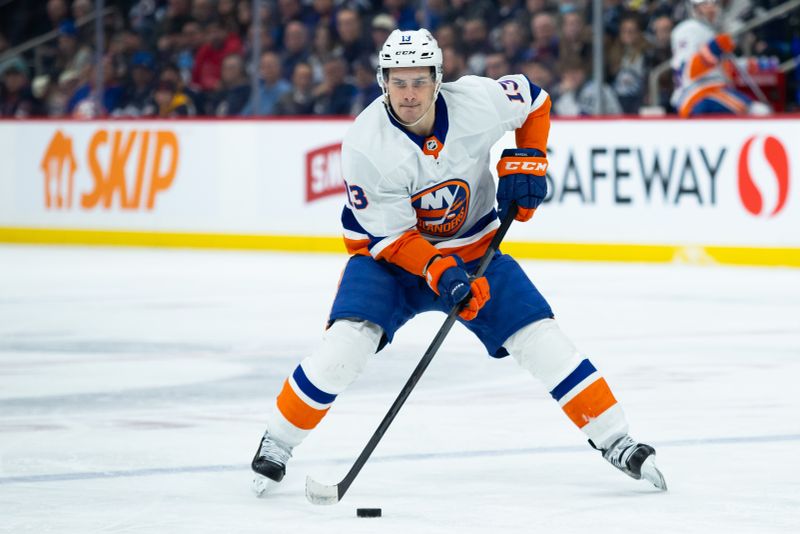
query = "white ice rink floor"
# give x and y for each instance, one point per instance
(133, 385)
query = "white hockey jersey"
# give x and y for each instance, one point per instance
(441, 184)
(695, 69)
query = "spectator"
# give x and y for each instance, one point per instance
(121, 47)
(659, 52)
(382, 25)
(71, 54)
(454, 65)
(81, 8)
(351, 39)
(577, 95)
(190, 41)
(139, 93)
(462, 10)
(300, 100)
(57, 13)
(627, 64)
(334, 96)
(475, 44)
(367, 88)
(661, 28)
(575, 39)
(533, 7)
(197, 101)
(513, 42)
(497, 66)
(402, 13)
(176, 15)
(323, 12)
(169, 102)
(314, 31)
(226, 14)
(507, 10)
(235, 88)
(447, 36)
(544, 46)
(82, 102)
(433, 14)
(208, 62)
(295, 47)
(68, 83)
(292, 10)
(612, 15)
(267, 43)
(16, 98)
(322, 51)
(143, 16)
(271, 86)
(203, 11)
(541, 75)
(244, 14)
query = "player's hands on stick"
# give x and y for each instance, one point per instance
(448, 278)
(522, 179)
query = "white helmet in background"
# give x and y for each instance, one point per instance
(415, 48)
(695, 13)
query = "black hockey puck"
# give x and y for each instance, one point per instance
(368, 512)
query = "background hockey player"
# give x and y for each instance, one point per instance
(420, 213)
(699, 55)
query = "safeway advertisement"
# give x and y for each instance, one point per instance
(723, 182)
(714, 182)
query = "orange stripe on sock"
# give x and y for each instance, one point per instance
(590, 403)
(296, 411)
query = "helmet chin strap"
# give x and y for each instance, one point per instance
(398, 119)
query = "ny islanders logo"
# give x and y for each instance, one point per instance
(442, 208)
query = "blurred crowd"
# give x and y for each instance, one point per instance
(178, 58)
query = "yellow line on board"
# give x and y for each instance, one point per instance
(690, 254)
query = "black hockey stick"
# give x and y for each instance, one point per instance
(322, 494)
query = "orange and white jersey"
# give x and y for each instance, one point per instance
(697, 62)
(440, 185)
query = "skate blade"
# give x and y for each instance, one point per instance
(651, 473)
(263, 485)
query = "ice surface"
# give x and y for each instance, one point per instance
(133, 386)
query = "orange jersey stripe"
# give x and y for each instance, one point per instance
(590, 403)
(729, 100)
(356, 246)
(296, 411)
(411, 252)
(699, 65)
(689, 103)
(473, 251)
(534, 131)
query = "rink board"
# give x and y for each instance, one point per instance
(722, 191)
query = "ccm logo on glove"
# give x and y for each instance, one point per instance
(537, 166)
(522, 180)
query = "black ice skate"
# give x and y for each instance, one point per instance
(269, 464)
(636, 460)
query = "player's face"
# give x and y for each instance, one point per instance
(410, 92)
(708, 10)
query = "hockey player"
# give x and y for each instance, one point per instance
(420, 213)
(699, 53)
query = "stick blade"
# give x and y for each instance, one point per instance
(317, 493)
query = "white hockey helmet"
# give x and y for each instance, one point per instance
(694, 13)
(416, 48)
